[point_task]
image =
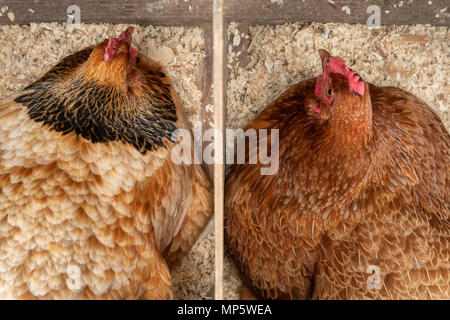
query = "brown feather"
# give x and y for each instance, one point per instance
(367, 185)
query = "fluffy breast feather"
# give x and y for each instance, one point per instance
(65, 201)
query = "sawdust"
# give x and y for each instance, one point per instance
(413, 58)
(193, 278)
(27, 52)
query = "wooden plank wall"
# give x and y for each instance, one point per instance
(392, 11)
(198, 12)
(155, 12)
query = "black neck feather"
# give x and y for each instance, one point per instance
(99, 113)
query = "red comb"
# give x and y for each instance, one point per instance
(111, 49)
(114, 43)
(337, 65)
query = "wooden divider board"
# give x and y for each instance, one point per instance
(219, 71)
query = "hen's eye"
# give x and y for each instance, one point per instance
(329, 91)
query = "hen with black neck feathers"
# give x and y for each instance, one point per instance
(360, 206)
(91, 204)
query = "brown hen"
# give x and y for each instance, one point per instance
(91, 204)
(359, 208)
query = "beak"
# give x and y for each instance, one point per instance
(126, 35)
(324, 56)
